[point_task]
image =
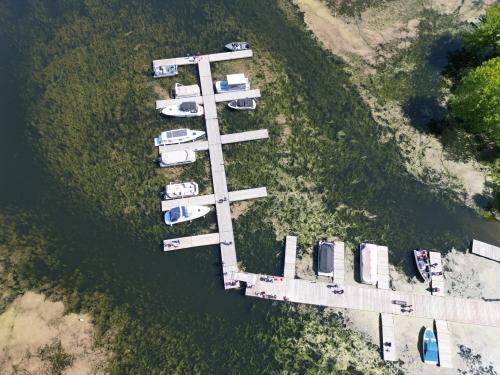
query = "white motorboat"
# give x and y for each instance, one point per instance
(164, 71)
(233, 82)
(173, 158)
(186, 91)
(171, 137)
(185, 109)
(185, 213)
(238, 46)
(180, 190)
(242, 104)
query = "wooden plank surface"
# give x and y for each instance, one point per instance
(444, 344)
(195, 146)
(388, 337)
(191, 241)
(162, 103)
(290, 256)
(437, 281)
(338, 263)
(486, 250)
(383, 267)
(244, 136)
(228, 96)
(215, 57)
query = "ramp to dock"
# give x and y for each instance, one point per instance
(338, 262)
(290, 256)
(444, 343)
(437, 278)
(383, 267)
(486, 250)
(209, 199)
(191, 241)
(388, 337)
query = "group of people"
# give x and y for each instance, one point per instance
(335, 288)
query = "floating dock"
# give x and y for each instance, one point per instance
(388, 338)
(290, 257)
(338, 263)
(209, 199)
(383, 281)
(220, 196)
(444, 344)
(486, 250)
(437, 281)
(191, 241)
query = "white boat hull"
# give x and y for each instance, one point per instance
(174, 111)
(182, 214)
(173, 158)
(182, 190)
(172, 137)
(234, 105)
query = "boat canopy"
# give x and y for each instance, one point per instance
(244, 102)
(189, 107)
(177, 133)
(325, 258)
(430, 347)
(175, 214)
(236, 79)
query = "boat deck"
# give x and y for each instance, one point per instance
(388, 337)
(486, 250)
(437, 281)
(444, 343)
(209, 199)
(339, 263)
(383, 281)
(290, 257)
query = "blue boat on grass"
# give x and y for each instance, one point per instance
(430, 347)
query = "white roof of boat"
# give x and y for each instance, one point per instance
(236, 79)
(369, 263)
(177, 156)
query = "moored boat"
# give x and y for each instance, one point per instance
(430, 347)
(185, 213)
(185, 109)
(422, 261)
(238, 46)
(173, 158)
(242, 104)
(171, 137)
(160, 71)
(180, 190)
(325, 258)
(233, 82)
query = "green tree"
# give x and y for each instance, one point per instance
(476, 102)
(484, 39)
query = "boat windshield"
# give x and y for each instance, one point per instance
(185, 212)
(244, 102)
(175, 214)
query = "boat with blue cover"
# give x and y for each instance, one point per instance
(185, 213)
(430, 347)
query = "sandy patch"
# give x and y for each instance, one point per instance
(31, 323)
(238, 209)
(161, 92)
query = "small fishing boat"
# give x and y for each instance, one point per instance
(325, 258)
(160, 71)
(171, 137)
(185, 109)
(430, 347)
(422, 260)
(185, 213)
(242, 104)
(238, 46)
(180, 190)
(233, 82)
(173, 158)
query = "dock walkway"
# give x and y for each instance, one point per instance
(290, 257)
(486, 250)
(338, 263)
(383, 267)
(444, 343)
(437, 278)
(388, 337)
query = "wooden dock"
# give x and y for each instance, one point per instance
(338, 263)
(209, 199)
(162, 103)
(290, 257)
(191, 241)
(223, 97)
(220, 197)
(444, 343)
(383, 281)
(437, 281)
(486, 250)
(388, 337)
(460, 310)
